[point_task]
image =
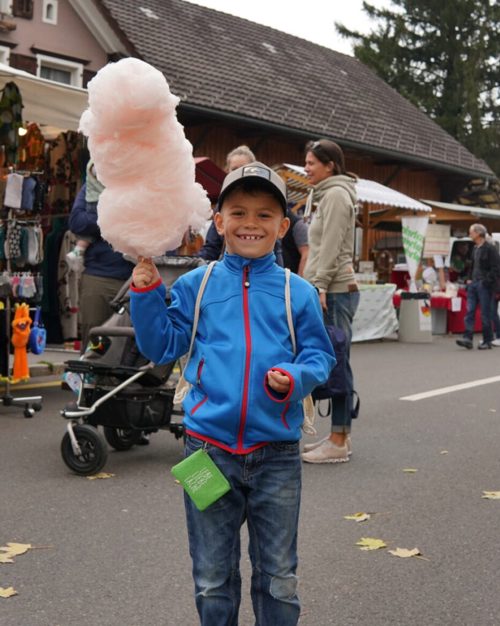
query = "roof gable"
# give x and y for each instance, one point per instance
(224, 63)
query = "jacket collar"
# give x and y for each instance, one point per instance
(236, 263)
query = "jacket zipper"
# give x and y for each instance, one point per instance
(198, 372)
(248, 352)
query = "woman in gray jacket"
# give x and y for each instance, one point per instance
(331, 210)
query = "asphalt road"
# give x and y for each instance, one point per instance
(118, 548)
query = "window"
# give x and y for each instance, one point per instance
(22, 8)
(5, 6)
(4, 55)
(59, 70)
(49, 14)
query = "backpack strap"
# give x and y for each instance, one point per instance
(182, 387)
(307, 403)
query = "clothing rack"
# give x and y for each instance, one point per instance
(30, 404)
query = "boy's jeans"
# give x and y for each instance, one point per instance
(341, 310)
(265, 491)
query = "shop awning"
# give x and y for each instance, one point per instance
(475, 211)
(210, 176)
(368, 191)
(53, 106)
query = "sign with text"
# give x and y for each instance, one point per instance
(414, 229)
(437, 240)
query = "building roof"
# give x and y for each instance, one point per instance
(220, 63)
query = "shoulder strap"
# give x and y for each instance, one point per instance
(182, 387)
(288, 304)
(197, 306)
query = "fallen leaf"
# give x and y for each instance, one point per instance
(100, 475)
(5, 558)
(444, 452)
(7, 592)
(358, 517)
(16, 549)
(410, 470)
(491, 495)
(368, 543)
(404, 553)
(493, 410)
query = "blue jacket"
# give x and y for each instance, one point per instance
(100, 258)
(242, 333)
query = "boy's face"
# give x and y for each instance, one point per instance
(251, 223)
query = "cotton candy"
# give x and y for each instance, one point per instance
(143, 159)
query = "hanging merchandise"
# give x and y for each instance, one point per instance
(13, 191)
(31, 153)
(11, 105)
(38, 334)
(21, 326)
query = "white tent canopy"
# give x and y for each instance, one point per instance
(53, 106)
(374, 193)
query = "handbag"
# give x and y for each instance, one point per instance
(201, 478)
(38, 335)
(337, 385)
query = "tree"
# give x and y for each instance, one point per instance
(445, 58)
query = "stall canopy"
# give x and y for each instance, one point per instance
(53, 106)
(369, 191)
(210, 176)
(448, 210)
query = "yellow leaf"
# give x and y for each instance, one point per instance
(491, 495)
(16, 549)
(404, 553)
(100, 475)
(368, 543)
(7, 592)
(358, 517)
(5, 558)
(410, 470)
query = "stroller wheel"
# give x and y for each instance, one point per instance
(94, 451)
(121, 439)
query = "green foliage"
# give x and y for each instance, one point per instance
(444, 57)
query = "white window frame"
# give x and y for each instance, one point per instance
(44, 12)
(76, 69)
(4, 55)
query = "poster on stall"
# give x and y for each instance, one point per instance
(414, 229)
(437, 240)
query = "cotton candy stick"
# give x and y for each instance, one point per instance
(143, 159)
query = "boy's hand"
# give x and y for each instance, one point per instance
(145, 273)
(278, 382)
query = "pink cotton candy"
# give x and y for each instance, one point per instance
(144, 160)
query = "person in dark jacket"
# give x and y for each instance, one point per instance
(105, 270)
(481, 288)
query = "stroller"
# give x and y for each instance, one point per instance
(118, 388)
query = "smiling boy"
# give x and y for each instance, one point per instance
(245, 403)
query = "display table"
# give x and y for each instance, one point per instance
(453, 309)
(376, 317)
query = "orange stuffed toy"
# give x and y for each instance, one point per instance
(21, 326)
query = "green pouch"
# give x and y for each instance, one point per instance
(201, 478)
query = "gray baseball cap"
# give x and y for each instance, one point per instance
(267, 177)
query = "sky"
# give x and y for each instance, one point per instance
(311, 19)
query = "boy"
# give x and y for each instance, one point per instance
(244, 406)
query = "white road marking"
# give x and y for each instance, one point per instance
(451, 389)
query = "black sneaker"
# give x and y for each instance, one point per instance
(484, 345)
(465, 343)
